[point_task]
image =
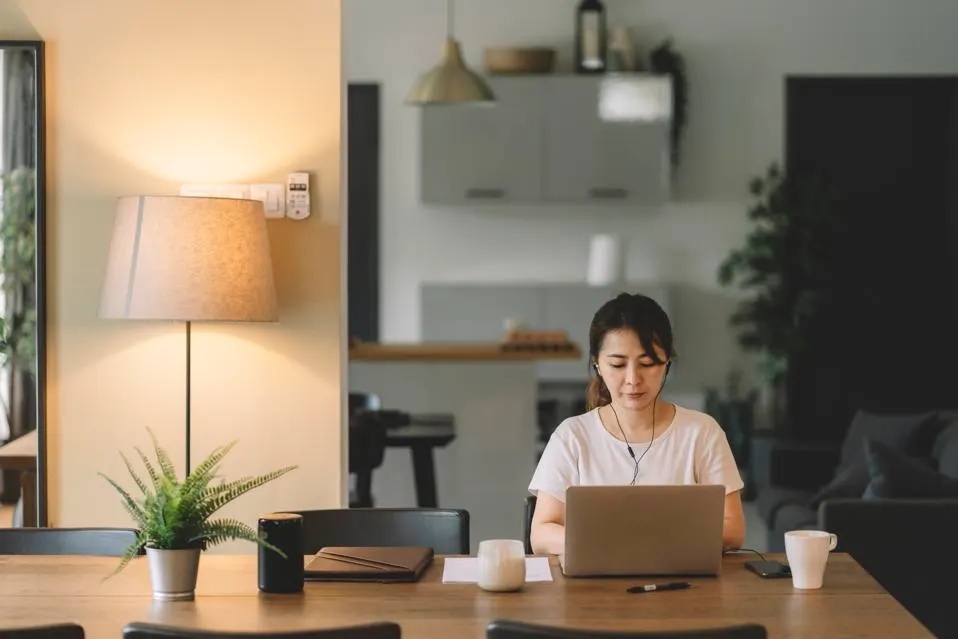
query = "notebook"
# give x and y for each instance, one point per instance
(379, 563)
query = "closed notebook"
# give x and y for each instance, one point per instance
(378, 563)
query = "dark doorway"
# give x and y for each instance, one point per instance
(362, 113)
(889, 146)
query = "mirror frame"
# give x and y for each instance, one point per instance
(40, 187)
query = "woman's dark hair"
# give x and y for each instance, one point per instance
(638, 313)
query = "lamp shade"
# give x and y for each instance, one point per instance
(189, 258)
(450, 82)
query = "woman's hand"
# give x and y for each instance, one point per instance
(548, 526)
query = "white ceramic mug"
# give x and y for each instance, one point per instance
(807, 552)
(502, 565)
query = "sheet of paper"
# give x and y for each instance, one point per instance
(465, 570)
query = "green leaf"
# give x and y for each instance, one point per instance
(787, 261)
(173, 515)
(169, 472)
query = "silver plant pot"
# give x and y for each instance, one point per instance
(173, 573)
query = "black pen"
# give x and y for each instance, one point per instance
(677, 585)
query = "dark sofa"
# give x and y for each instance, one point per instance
(889, 491)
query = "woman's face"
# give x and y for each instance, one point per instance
(631, 375)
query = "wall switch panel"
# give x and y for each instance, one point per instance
(273, 197)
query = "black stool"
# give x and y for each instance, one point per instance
(423, 433)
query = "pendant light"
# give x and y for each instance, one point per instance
(451, 81)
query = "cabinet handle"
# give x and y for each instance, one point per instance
(609, 193)
(477, 194)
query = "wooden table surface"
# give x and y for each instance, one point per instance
(36, 590)
(20, 454)
(455, 352)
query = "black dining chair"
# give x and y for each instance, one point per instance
(530, 509)
(377, 630)
(506, 629)
(105, 542)
(444, 530)
(49, 631)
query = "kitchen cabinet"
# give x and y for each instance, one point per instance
(485, 154)
(552, 139)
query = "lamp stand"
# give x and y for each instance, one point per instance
(187, 399)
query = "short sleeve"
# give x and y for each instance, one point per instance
(716, 464)
(557, 469)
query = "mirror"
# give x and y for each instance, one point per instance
(22, 189)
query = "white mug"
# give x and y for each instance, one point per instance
(807, 552)
(502, 565)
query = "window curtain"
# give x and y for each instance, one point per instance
(19, 110)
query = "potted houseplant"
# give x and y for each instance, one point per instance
(788, 263)
(174, 522)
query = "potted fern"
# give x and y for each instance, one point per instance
(174, 518)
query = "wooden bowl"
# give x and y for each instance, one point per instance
(519, 61)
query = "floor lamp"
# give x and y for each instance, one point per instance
(189, 259)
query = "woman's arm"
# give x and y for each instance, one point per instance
(548, 526)
(733, 530)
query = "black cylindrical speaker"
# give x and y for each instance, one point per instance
(276, 574)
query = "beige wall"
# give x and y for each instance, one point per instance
(143, 96)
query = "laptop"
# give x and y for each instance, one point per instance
(643, 530)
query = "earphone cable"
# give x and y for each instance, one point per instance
(635, 472)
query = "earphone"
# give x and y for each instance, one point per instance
(628, 446)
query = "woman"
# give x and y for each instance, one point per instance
(631, 435)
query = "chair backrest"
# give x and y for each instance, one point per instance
(50, 631)
(505, 629)
(530, 509)
(379, 630)
(444, 530)
(106, 542)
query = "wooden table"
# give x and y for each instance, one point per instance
(36, 590)
(21, 454)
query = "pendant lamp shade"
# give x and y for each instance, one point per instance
(451, 81)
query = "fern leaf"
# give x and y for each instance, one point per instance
(229, 492)
(154, 477)
(204, 471)
(128, 555)
(132, 507)
(221, 530)
(163, 459)
(136, 478)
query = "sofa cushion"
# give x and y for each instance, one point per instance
(850, 481)
(771, 498)
(897, 476)
(911, 433)
(945, 450)
(901, 432)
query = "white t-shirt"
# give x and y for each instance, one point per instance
(694, 450)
